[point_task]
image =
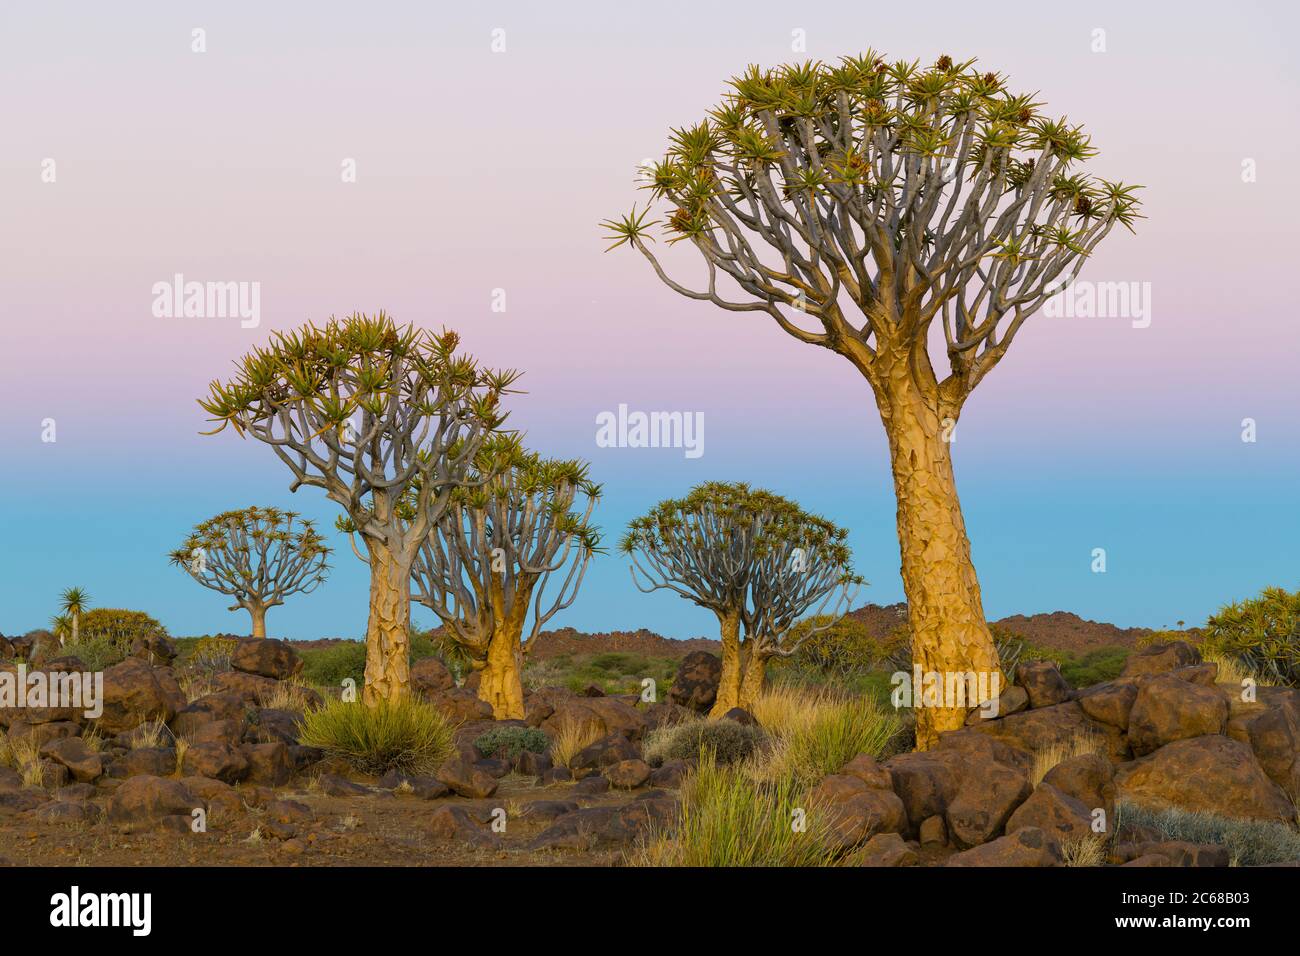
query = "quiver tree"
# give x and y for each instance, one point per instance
(486, 568)
(860, 206)
(757, 561)
(372, 414)
(73, 602)
(258, 556)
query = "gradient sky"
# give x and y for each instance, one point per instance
(479, 170)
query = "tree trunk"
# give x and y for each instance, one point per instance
(500, 681)
(76, 628)
(388, 650)
(753, 679)
(732, 673)
(945, 611)
(258, 614)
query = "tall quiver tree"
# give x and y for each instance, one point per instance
(486, 568)
(258, 556)
(855, 205)
(756, 560)
(371, 413)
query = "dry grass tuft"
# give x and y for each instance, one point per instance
(572, 736)
(1053, 754)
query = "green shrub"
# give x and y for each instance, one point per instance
(728, 741)
(1262, 634)
(118, 626)
(510, 742)
(212, 654)
(842, 647)
(729, 819)
(404, 735)
(330, 666)
(96, 653)
(1249, 842)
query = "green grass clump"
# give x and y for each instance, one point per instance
(729, 819)
(1249, 842)
(404, 735)
(510, 742)
(728, 741)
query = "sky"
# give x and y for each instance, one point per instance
(486, 144)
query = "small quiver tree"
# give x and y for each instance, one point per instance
(258, 556)
(755, 559)
(370, 413)
(486, 568)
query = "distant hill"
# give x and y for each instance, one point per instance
(1059, 630)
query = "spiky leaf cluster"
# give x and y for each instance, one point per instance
(366, 409)
(893, 192)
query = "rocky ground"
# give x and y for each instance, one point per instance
(134, 786)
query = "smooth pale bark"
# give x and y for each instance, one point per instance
(258, 614)
(388, 641)
(945, 611)
(501, 681)
(732, 671)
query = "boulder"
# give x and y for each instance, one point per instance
(866, 769)
(149, 761)
(252, 689)
(1027, 847)
(268, 764)
(333, 785)
(1211, 773)
(466, 779)
(926, 781)
(1161, 658)
(984, 802)
(1109, 703)
(886, 849)
(696, 683)
(856, 812)
(1061, 817)
(610, 715)
(430, 676)
(605, 752)
(1088, 778)
(1043, 683)
(135, 693)
(1011, 700)
(460, 704)
(628, 774)
(216, 760)
(148, 800)
(266, 658)
(1168, 709)
(84, 764)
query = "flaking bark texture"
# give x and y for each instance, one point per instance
(945, 610)
(732, 667)
(388, 648)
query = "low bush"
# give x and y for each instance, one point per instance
(96, 653)
(330, 666)
(510, 742)
(404, 735)
(1249, 842)
(118, 626)
(728, 741)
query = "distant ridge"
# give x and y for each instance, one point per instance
(1059, 630)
